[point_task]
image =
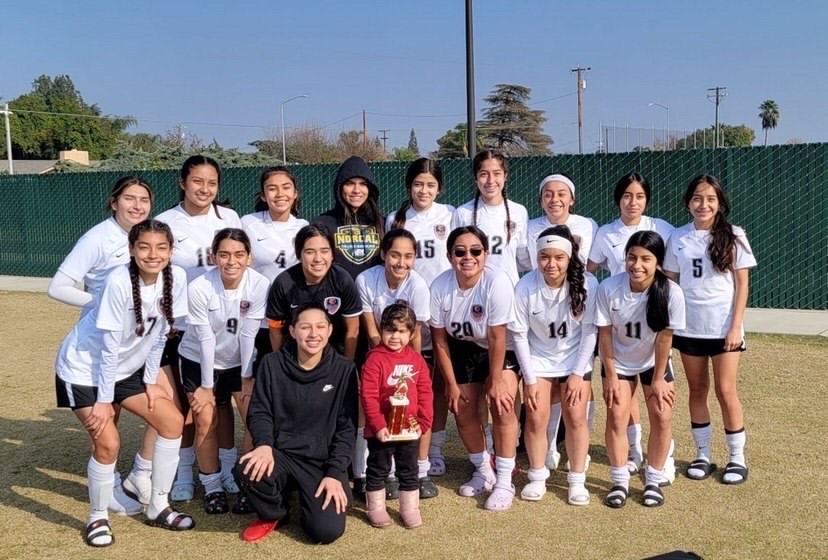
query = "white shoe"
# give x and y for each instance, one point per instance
(122, 504)
(229, 483)
(552, 459)
(138, 484)
(534, 491)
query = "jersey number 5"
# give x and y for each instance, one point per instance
(697, 268)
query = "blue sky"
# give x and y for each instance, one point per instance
(222, 69)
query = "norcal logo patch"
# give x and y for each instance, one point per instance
(244, 307)
(357, 243)
(440, 231)
(477, 311)
(332, 304)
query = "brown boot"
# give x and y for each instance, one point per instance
(410, 509)
(375, 508)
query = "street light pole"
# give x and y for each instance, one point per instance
(282, 113)
(7, 113)
(667, 132)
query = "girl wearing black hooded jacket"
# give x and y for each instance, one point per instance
(355, 221)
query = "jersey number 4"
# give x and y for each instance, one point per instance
(281, 259)
(459, 330)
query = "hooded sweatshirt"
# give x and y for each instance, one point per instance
(356, 236)
(310, 415)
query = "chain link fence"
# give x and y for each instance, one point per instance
(779, 194)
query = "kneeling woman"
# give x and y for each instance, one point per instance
(113, 356)
(554, 337)
(470, 308)
(636, 314)
(302, 418)
(227, 305)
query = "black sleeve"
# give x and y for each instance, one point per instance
(277, 306)
(260, 411)
(348, 292)
(341, 450)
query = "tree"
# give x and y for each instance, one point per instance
(454, 143)
(769, 115)
(510, 125)
(412, 145)
(405, 154)
(731, 136)
(54, 117)
(304, 145)
(352, 143)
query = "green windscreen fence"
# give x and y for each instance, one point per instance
(778, 195)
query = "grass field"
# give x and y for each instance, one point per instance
(779, 513)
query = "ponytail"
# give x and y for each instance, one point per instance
(399, 217)
(658, 294)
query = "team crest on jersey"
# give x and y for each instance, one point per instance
(332, 304)
(477, 311)
(244, 307)
(440, 231)
(357, 243)
(511, 226)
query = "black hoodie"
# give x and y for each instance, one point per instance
(310, 415)
(356, 236)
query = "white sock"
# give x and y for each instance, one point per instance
(576, 478)
(654, 476)
(504, 467)
(736, 445)
(590, 415)
(482, 463)
(228, 458)
(538, 474)
(634, 438)
(360, 454)
(620, 476)
(211, 482)
(553, 425)
(141, 465)
(100, 479)
(438, 439)
(164, 465)
(186, 460)
(702, 438)
(489, 439)
(422, 468)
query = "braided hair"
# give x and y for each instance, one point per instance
(574, 271)
(477, 162)
(150, 226)
(417, 167)
(723, 243)
(658, 294)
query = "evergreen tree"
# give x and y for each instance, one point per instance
(412, 144)
(509, 125)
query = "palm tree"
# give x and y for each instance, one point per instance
(769, 114)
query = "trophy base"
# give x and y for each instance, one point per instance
(405, 435)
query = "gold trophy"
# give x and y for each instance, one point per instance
(399, 428)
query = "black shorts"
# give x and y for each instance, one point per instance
(75, 397)
(703, 346)
(428, 356)
(471, 362)
(225, 381)
(170, 355)
(565, 378)
(646, 376)
(263, 348)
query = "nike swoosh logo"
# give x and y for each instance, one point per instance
(327, 388)
(680, 248)
(616, 309)
(293, 306)
(616, 245)
(212, 309)
(261, 238)
(536, 312)
(119, 255)
(180, 239)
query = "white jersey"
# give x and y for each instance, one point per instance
(554, 333)
(468, 314)
(611, 239)
(193, 236)
(375, 296)
(503, 255)
(272, 242)
(582, 229)
(708, 292)
(633, 342)
(96, 253)
(431, 229)
(79, 360)
(223, 311)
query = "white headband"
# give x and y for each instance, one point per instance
(555, 242)
(560, 178)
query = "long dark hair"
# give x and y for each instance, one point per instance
(150, 226)
(477, 162)
(574, 272)
(260, 204)
(658, 294)
(626, 181)
(417, 167)
(195, 161)
(723, 242)
(123, 184)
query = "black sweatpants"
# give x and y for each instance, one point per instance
(379, 464)
(268, 497)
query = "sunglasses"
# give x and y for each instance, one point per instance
(460, 252)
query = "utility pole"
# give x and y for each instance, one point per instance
(715, 94)
(471, 121)
(580, 70)
(384, 137)
(8, 113)
(364, 132)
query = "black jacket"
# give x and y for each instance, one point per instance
(311, 415)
